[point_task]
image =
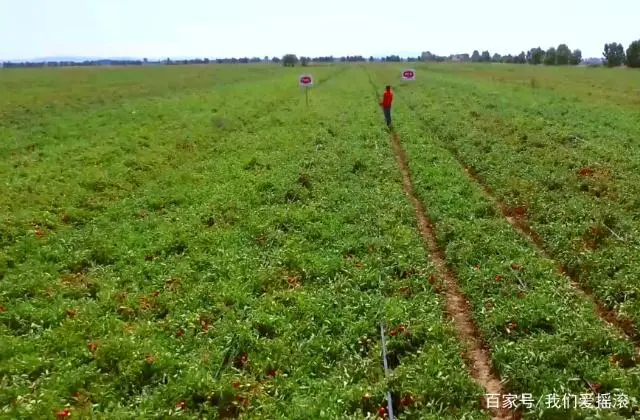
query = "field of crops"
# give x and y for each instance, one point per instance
(198, 242)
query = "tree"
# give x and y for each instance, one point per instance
(535, 56)
(304, 61)
(520, 58)
(550, 57)
(371, 59)
(496, 58)
(507, 58)
(266, 59)
(276, 60)
(614, 55)
(289, 60)
(486, 57)
(633, 54)
(475, 57)
(576, 57)
(563, 55)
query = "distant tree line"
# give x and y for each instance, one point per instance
(560, 56)
(614, 55)
(74, 63)
(168, 61)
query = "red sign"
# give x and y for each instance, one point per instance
(408, 74)
(306, 80)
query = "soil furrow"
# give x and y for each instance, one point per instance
(457, 307)
(518, 222)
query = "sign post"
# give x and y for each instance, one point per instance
(306, 81)
(408, 74)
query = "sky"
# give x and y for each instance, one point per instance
(237, 28)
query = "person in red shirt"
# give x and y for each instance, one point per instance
(387, 98)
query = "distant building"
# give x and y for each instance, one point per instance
(459, 57)
(427, 56)
(592, 61)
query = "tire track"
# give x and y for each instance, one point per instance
(457, 307)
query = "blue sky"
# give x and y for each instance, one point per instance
(226, 28)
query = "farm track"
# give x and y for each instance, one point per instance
(457, 307)
(519, 223)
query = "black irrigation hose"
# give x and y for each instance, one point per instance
(386, 371)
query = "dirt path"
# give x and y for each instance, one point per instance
(457, 307)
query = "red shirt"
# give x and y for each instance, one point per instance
(387, 99)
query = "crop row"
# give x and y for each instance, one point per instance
(569, 164)
(544, 338)
(226, 270)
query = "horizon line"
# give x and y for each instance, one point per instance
(193, 57)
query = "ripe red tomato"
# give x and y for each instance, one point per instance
(64, 413)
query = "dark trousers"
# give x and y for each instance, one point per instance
(387, 115)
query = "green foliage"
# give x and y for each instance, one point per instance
(614, 55)
(535, 56)
(563, 55)
(576, 58)
(550, 57)
(197, 256)
(633, 54)
(168, 248)
(289, 60)
(534, 149)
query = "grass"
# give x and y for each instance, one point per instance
(197, 242)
